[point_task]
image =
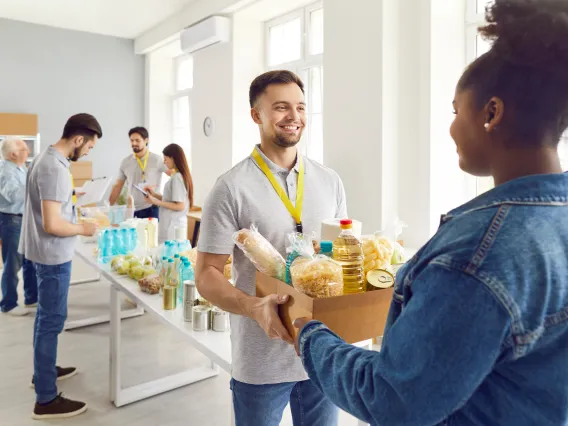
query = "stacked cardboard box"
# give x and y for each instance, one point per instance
(82, 171)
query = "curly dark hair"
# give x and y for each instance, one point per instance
(527, 68)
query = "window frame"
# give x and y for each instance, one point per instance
(176, 95)
(303, 66)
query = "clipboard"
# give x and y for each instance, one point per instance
(140, 189)
(94, 189)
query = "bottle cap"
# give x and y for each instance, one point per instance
(176, 256)
(164, 258)
(171, 261)
(326, 246)
(346, 223)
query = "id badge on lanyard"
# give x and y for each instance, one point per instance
(143, 167)
(295, 211)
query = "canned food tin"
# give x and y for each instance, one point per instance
(170, 297)
(219, 320)
(189, 300)
(200, 318)
(379, 278)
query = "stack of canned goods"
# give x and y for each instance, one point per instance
(202, 317)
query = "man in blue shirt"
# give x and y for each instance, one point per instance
(12, 191)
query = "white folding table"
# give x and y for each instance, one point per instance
(214, 345)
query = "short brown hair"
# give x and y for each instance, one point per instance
(82, 125)
(259, 85)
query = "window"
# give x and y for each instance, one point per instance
(476, 47)
(295, 42)
(181, 103)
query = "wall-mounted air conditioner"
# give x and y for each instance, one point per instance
(213, 30)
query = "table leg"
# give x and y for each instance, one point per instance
(86, 280)
(114, 379)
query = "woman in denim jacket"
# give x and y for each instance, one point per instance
(478, 327)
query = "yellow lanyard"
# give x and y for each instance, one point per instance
(295, 211)
(73, 197)
(143, 166)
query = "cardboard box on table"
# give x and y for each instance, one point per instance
(354, 317)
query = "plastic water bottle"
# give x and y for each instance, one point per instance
(132, 239)
(107, 246)
(187, 275)
(101, 245)
(168, 249)
(124, 241)
(116, 243)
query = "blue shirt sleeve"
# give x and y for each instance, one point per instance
(438, 351)
(11, 189)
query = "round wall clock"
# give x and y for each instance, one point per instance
(208, 126)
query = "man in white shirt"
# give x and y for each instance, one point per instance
(267, 374)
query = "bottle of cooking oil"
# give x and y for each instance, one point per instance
(347, 250)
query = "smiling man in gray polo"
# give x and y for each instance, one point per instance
(267, 374)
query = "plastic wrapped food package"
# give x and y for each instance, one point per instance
(378, 252)
(261, 253)
(138, 272)
(117, 262)
(150, 284)
(317, 277)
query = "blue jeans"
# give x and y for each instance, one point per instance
(53, 286)
(13, 261)
(153, 211)
(263, 405)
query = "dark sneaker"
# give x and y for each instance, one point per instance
(59, 408)
(62, 373)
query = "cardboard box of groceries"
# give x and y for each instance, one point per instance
(354, 317)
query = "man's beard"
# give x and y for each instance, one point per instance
(136, 150)
(77, 153)
(287, 142)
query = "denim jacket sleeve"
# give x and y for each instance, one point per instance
(438, 351)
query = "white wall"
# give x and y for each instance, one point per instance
(57, 73)
(212, 97)
(390, 74)
(248, 63)
(353, 107)
(159, 84)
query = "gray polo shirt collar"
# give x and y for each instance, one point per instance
(275, 168)
(52, 151)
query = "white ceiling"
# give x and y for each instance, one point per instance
(120, 18)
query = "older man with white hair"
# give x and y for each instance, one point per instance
(12, 193)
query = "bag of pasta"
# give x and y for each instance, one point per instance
(314, 275)
(261, 253)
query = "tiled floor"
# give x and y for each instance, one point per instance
(150, 351)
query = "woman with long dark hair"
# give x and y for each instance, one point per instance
(177, 198)
(478, 326)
